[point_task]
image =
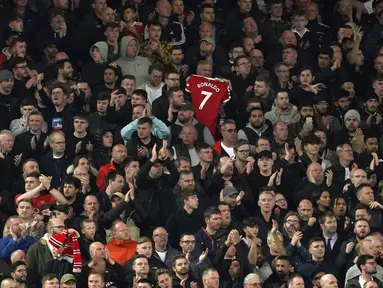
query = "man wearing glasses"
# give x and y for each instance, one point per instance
(162, 250)
(199, 262)
(39, 255)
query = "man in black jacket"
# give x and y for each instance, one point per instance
(32, 142)
(155, 188)
(57, 161)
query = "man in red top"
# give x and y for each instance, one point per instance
(121, 247)
(207, 96)
(119, 154)
(35, 183)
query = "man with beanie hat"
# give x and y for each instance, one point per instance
(350, 133)
(9, 105)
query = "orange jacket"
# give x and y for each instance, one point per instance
(121, 250)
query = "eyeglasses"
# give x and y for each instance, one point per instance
(244, 64)
(161, 235)
(21, 271)
(22, 67)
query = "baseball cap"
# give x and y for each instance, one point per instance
(208, 40)
(67, 277)
(265, 153)
(5, 75)
(228, 191)
(187, 106)
(118, 194)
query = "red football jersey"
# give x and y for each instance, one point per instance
(207, 96)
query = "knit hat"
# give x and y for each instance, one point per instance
(5, 75)
(71, 252)
(352, 113)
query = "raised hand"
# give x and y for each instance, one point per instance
(203, 255)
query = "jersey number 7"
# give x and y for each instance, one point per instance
(207, 97)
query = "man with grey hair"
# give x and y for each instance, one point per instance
(341, 170)
(18, 255)
(8, 161)
(252, 280)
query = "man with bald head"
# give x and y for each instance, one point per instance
(305, 211)
(328, 281)
(172, 31)
(101, 262)
(314, 181)
(119, 154)
(121, 247)
(163, 251)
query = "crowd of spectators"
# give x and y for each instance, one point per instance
(191, 143)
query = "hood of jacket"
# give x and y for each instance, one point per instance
(264, 127)
(124, 44)
(103, 47)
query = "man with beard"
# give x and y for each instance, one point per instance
(20, 274)
(198, 261)
(256, 127)
(369, 113)
(209, 237)
(306, 123)
(166, 107)
(186, 116)
(293, 235)
(181, 271)
(322, 115)
(347, 250)
(64, 74)
(367, 267)
(22, 88)
(371, 153)
(283, 110)
(9, 103)
(109, 82)
(283, 270)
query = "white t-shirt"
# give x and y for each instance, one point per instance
(162, 255)
(229, 150)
